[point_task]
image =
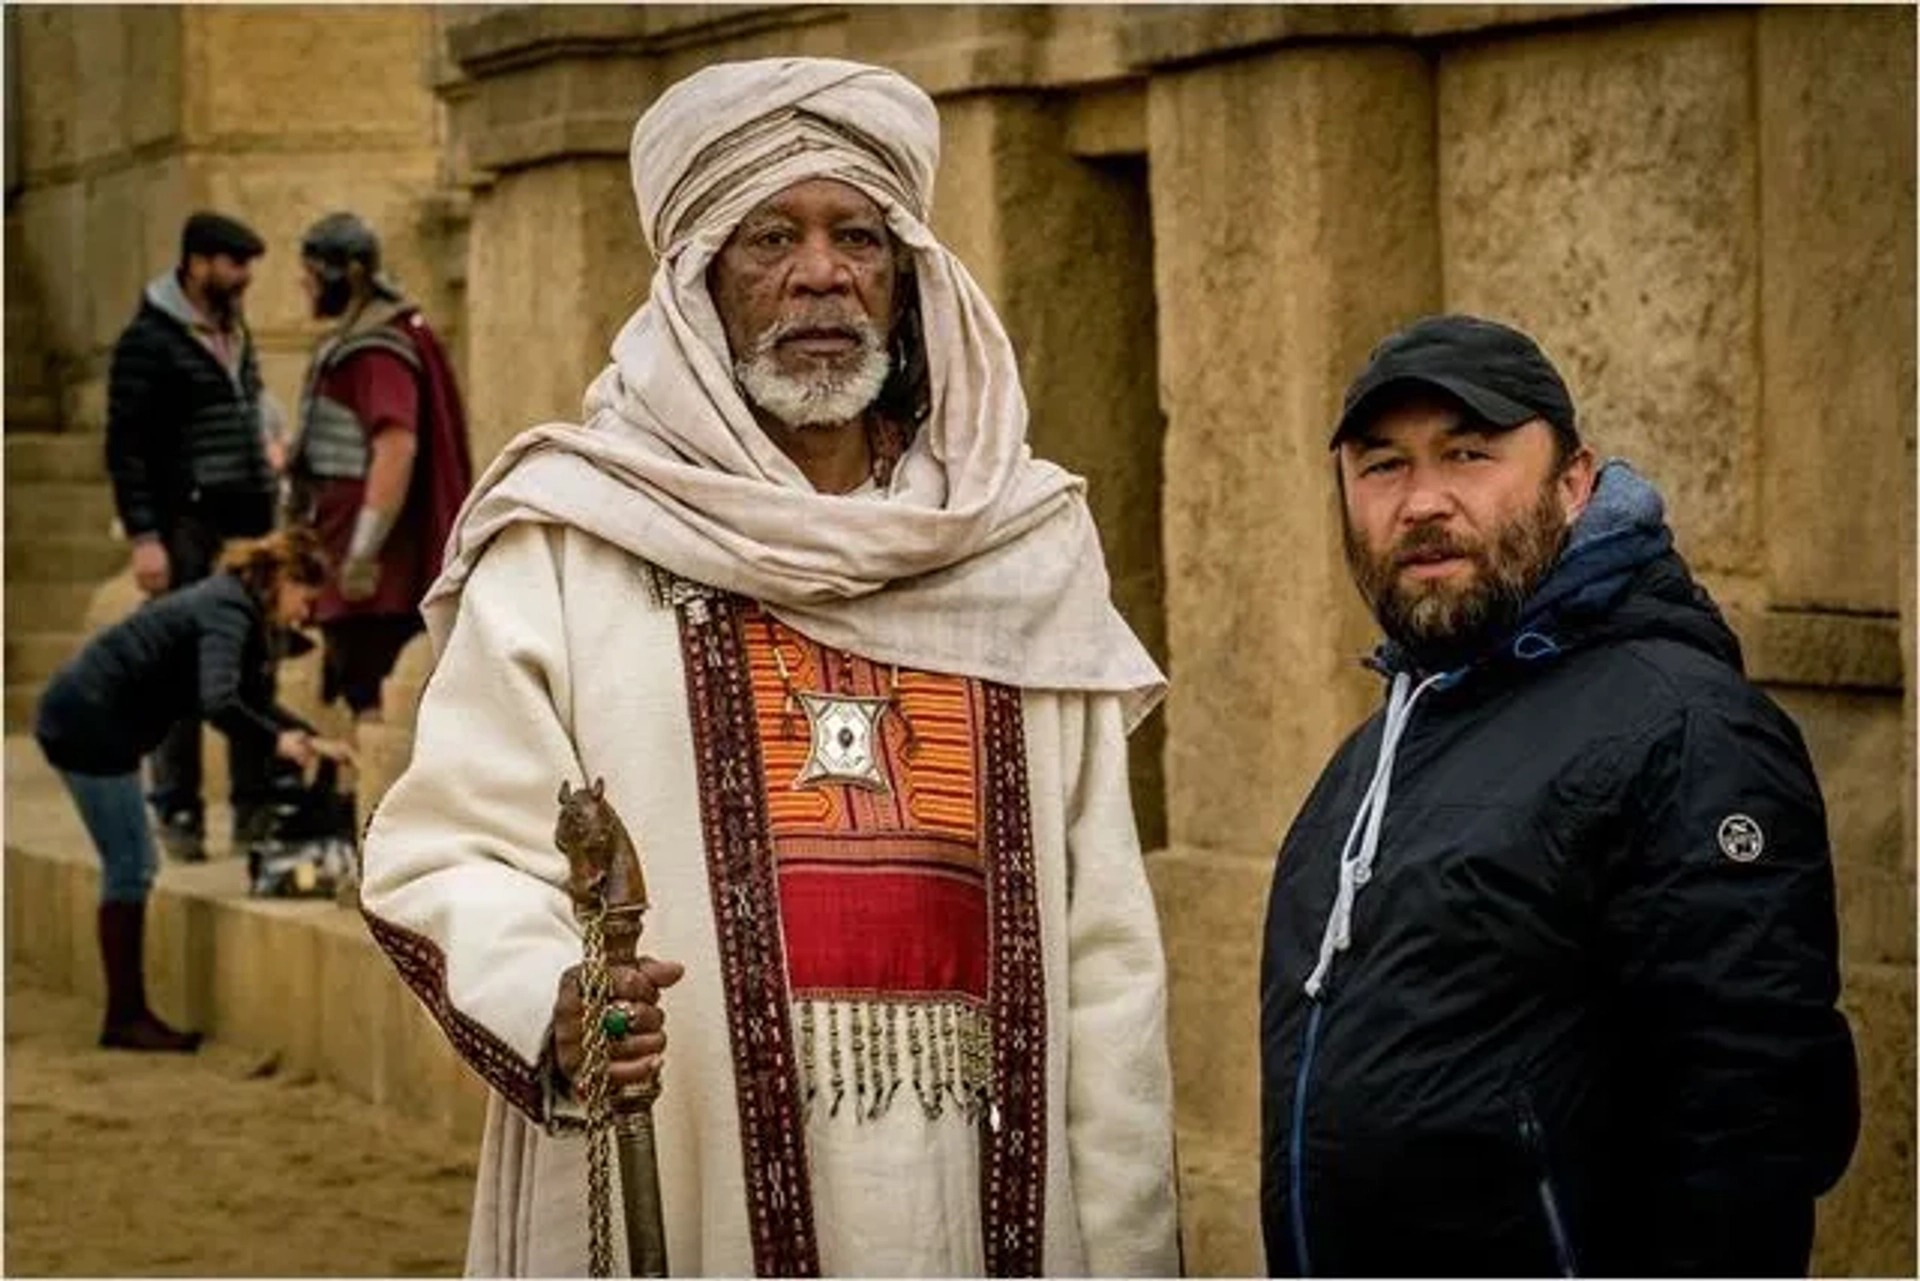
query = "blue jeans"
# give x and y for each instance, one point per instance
(115, 812)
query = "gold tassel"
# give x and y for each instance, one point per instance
(833, 1057)
(877, 1057)
(936, 1045)
(859, 1059)
(916, 1045)
(809, 1077)
(950, 1038)
(948, 1048)
(893, 1054)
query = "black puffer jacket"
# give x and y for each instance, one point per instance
(183, 433)
(201, 652)
(1585, 1019)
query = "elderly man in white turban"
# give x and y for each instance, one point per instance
(843, 651)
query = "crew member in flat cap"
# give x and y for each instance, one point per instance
(843, 652)
(1550, 972)
(380, 466)
(188, 455)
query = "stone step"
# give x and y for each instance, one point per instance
(300, 980)
(57, 508)
(54, 456)
(48, 607)
(63, 560)
(33, 656)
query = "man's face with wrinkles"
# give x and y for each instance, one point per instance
(805, 290)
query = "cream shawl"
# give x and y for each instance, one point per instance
(977, 559)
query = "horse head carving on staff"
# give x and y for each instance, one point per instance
(602, 860)
(609, 899)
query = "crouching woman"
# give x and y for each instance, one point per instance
(204, 652)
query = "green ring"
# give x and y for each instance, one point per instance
(615, 1022)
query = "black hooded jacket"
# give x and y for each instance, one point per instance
(202, 652)
(183, 431)
(1585, 1018)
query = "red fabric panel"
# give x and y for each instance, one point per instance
(881, 928)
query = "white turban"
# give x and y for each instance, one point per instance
(711, 148)
(978, 560)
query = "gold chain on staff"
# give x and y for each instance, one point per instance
(595, 984)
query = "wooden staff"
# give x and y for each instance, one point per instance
(610, 899)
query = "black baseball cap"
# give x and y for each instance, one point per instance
(1496, 372)
(209, 233)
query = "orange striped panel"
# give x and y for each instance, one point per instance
(934, 791)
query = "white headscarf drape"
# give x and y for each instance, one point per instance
(979, 560)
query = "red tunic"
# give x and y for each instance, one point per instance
(383, 393)
(386, 394)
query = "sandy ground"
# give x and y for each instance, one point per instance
(209, 1164)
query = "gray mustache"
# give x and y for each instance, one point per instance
(786, 327)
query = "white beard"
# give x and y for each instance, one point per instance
(822, 398)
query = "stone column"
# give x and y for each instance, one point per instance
(1294, 225)
(557, 264)
(1063, 245)
(1836, 126)
(11, 126)
(1597, 190)
(1836, 138)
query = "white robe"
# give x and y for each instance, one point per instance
(561, 666)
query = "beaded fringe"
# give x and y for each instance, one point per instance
(857, 1054)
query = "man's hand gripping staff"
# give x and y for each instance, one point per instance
(608, 1029)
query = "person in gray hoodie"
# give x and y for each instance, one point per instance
(190, 466)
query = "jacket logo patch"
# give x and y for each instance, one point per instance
(1741, 838)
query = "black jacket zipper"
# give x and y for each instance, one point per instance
(1534, 1139)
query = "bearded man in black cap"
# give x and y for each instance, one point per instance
(1550, 967)
(187, 451)
(381, 465)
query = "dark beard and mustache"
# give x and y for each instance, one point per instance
(1442, 623)
(223, 301)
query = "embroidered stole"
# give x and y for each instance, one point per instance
(869, 937)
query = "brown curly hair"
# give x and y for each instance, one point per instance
(288, 555)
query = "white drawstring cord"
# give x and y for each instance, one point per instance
(1356, 868)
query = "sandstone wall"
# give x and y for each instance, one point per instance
(133, 116)
(1688, 211)
(1599, 186)
(1194, 221)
